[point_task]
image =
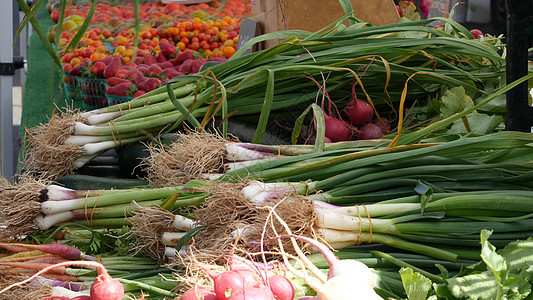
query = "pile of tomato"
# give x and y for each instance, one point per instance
(194, 27)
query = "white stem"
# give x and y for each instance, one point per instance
(57, 193)
(172, 238)
(326, 218)
(211, 176)
(103, 118)
(182, 223)
(80, 140)
(237, 153)
(232, 166)
(253, 188)
(377, 210)
(171, 251)
(83, 129)
(80, 162)
(333, 236)
(58, 291)
(93, 112)
(50, 220)
(51, 207)
(96, 148)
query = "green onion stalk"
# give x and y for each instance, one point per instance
(30, 204)
(275, 80)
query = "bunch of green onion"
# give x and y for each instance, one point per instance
(273, 80)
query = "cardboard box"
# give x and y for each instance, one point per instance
(312, 15)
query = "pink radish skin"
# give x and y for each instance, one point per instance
(199, 293)
(228, 283)
(359, 112)
(370, 131)
(281, 287)
(255, 293)
(337, 130)
(476, 33)
(384, 125)
(106, 288)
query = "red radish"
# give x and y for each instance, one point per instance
(359, 112)
(281, 287)
(62, 250)
(370, 131)
(66, 298)
(103, 288)
(228, 283)
(199, 293)
(255, 293)
(476, 33)
(337, 130)
(384, 125)
(106, 288)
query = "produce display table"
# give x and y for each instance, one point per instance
(385, 143)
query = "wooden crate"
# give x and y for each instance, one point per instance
(312, 15)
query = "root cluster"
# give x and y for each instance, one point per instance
(46, 152)
(19, 205)
(189, 157)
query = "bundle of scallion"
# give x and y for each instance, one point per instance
(274, 80)
(29, 204)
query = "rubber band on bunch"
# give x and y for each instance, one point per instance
(358, 242)
(369, 223)
(88, 218)
(113, 135)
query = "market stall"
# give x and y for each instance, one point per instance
(360, 160)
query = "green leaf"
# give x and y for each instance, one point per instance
(265, 110)
(496, 263)
(29, 15)
(426, 194)
(455, 100)
(415, 284)
(475, 286)
(479, 123)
